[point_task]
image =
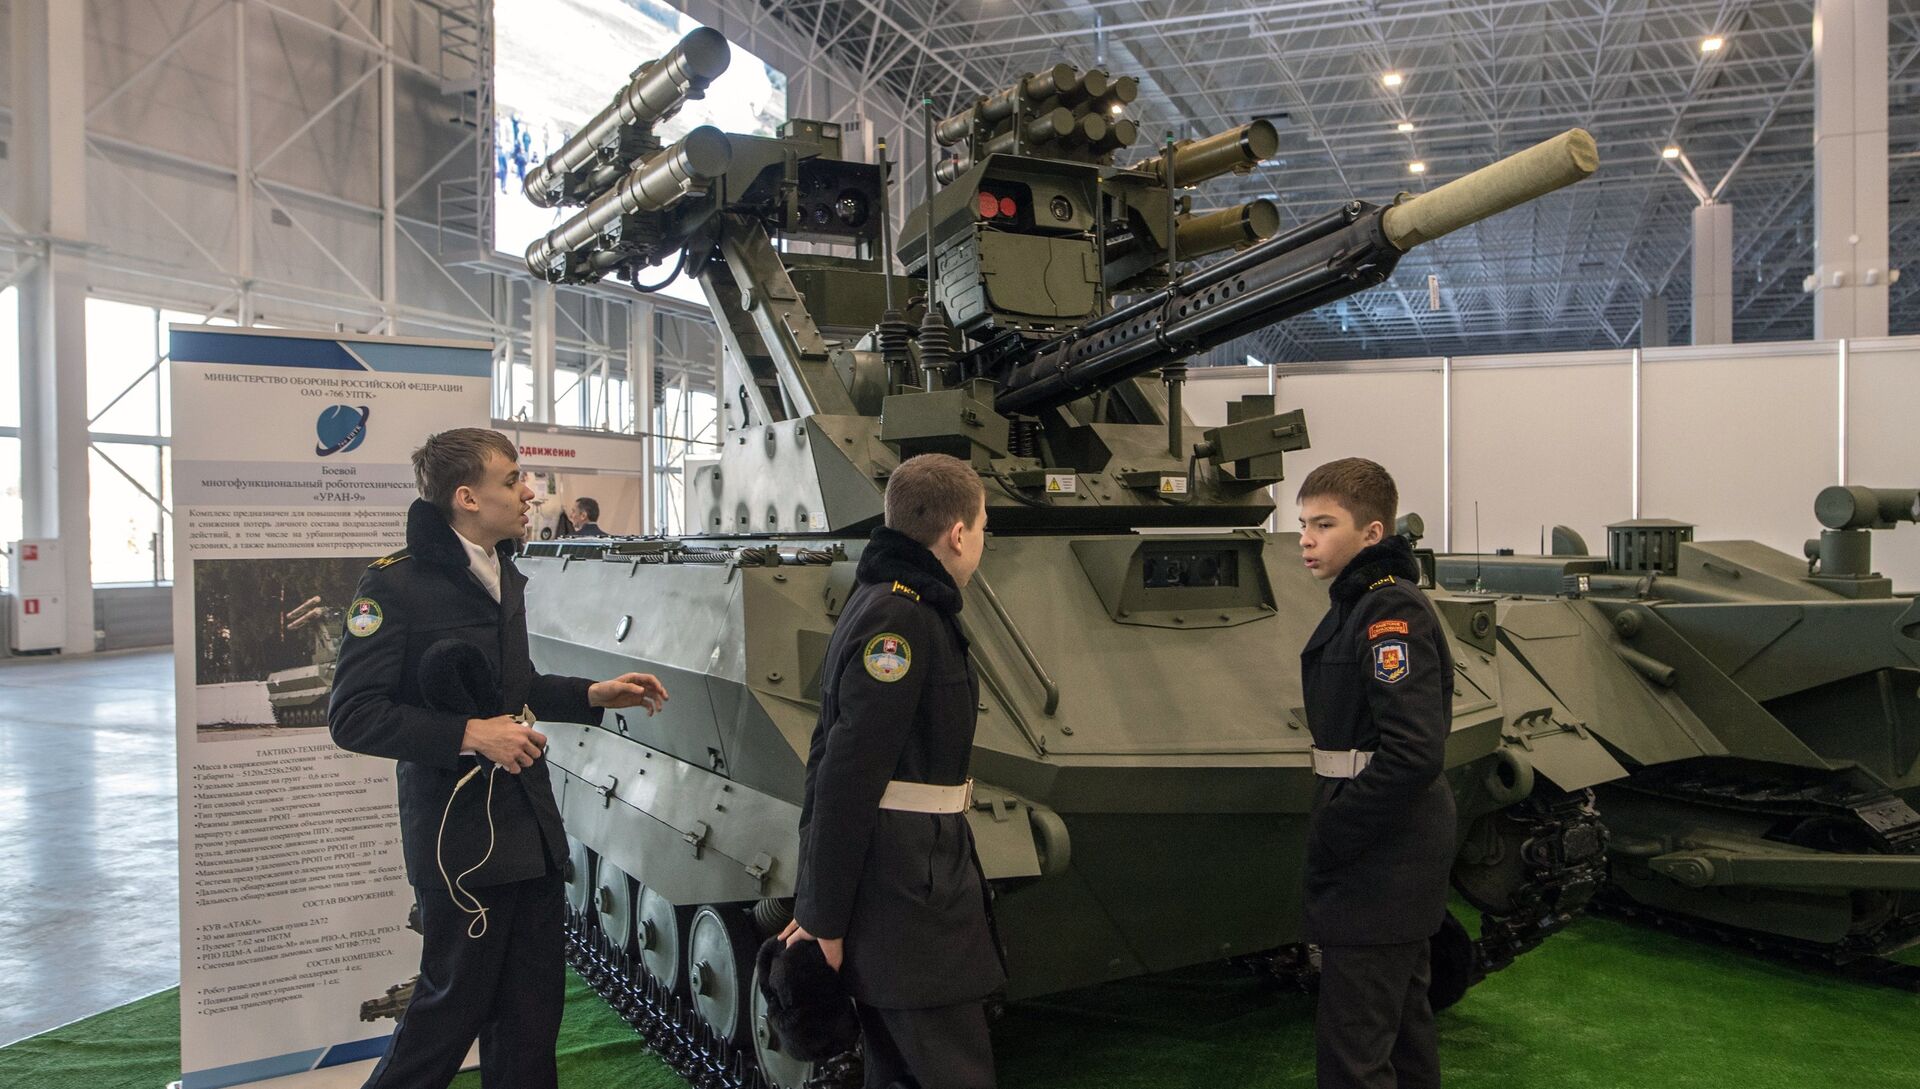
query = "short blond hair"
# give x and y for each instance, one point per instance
(928, 493)
(454, 459)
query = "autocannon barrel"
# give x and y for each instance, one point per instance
(1309, 266)
(1519, 178)
(1195, 161)
(657, 90)
(671, 173)
(1211, 232)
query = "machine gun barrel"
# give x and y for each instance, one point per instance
(700, 156)
(658, 89)
(1316, 263)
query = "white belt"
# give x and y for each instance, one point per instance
(1340, 763)
(927, 798)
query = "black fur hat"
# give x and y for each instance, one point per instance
(456, 676)
(808, 1007)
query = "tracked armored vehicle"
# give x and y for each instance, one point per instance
(298, 696)
(1141, 759)
(1757, 768)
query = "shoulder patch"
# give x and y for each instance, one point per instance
(388, 561)
(887, 657)
(904, 590)
(363, 617)
(1390, 661)
(1385, 627)
(1384, 580)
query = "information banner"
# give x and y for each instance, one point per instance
(291, 472)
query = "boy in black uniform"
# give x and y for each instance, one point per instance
(887, 882)
(1378, 676)
(485, 862)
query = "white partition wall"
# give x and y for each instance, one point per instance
(1539, 446)
(1393, 417)
(1881, 442)
(1739, 441)
(1736, 438)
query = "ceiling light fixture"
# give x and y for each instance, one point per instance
(1393, 79)
(1404, 126)
(1670, 152)
(1118, 109)
(1712, 44)
(1416, 168)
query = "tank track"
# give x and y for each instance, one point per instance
(1565, 852)
(1883, 819)
(1564, 848)
(666, 1022)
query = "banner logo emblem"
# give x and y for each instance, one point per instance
(341, 428)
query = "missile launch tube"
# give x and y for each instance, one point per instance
(1310, 266)
(1062, 80)
(655, 92)
(1211, 232)
(1196, 161)
(1044, 129)
(700, 156)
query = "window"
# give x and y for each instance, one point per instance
(12, 514)
(130, 463)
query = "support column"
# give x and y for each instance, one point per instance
(1653, 322)
(641, 370)
(243, 170)
(49, 133)
(1713, 274)
(1850, 270)
(389, 186)
(540, 352)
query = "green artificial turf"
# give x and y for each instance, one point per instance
(1603, 1004)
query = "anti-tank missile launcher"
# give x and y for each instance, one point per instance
(1142, 777)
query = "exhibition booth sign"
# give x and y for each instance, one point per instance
(291, 473)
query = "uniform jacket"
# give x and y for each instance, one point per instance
(417, 597)
(897, 701)
(1378, 675)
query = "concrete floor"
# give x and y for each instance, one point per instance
(89, 893)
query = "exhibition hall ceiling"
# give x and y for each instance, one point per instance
(1476, 80)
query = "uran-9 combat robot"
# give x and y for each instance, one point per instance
(1142, 766)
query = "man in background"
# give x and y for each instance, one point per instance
(584, 513)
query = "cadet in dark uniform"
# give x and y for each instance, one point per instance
(485, 851)
(1378, 676)
(887, 882)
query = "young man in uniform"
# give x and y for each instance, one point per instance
(1378, 677)
(486, 862)
(887, 882)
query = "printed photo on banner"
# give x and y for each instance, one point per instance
(269, 632)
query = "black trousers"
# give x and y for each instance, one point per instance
(1374, 1027)
(945, 1047)
(507, 987)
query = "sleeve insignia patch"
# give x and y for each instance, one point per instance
(904, 590)
(363, 617)
(887, 657)
(1385, 627)
(1390, 661)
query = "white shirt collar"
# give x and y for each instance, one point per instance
(484, 565)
